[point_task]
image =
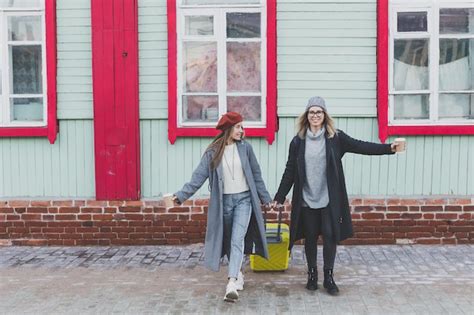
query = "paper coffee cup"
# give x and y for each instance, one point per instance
(401, 144)
(168, 198)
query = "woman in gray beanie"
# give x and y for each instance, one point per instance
(320, 204)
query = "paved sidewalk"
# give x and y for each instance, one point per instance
(409, 279)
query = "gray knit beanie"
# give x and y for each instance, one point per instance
(316, 101)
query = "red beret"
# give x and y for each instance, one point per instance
(228, 120)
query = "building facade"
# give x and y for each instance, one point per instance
(108, 105)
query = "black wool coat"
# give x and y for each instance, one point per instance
(295, 174)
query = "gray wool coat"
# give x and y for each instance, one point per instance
(255, 240)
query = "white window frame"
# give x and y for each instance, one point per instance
(5, 112)
(432, 7)
(219, 35)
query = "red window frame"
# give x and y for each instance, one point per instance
(271, 124)
(386, 130)
(51, 129)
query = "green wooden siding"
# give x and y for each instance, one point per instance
(440, 165)
(32, 167)
(74, 54)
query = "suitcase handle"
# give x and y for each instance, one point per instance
(279, 207)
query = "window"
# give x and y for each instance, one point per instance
(429, 53)
(222, 58)
(27, 68)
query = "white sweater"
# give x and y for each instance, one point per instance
(234, 178)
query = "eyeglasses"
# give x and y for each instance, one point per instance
(318, 113)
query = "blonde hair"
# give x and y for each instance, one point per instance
(218, 146)
(302, 124)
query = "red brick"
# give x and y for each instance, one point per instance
(414, 208)
(130, 209)
(31, 217)
(6, 210)
(418, 234)
(468, 208)
(428, 241)
(133, 216)
(84, 217)
(91, 210)
(105, 235)
(13, 217)
(154, 203)
(356, 216)
(404, 222)
(201, 202)
(140, 223)
(430, 202)
(79, 203)
(155, 229)
(87, 242)
(428, 216)
(140, 236)
(20, 210)
(40, 203)
(461, 228)
(397, 208)
(37, 210)
(18, 203)
(147, 210)
(116, 203)
(179, 210)
(69, 210)
(188, 203)
(134, 203)
(65, 217)
(64, 224)
(159, 209)
(110, 210)
(96, 203)
(374, 202)
(62, 203)
(451, 241)
(393, 202)
(432, 208)
(102, 217)
(452, 208)
(363, 208)
(414, 216)
(459, 201)
(372, 215)
(393, 215)
(53, 210)
(465, 216)
(442, 228)
(411, 202)
(446, 216)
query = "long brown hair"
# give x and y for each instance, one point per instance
(302, 125)
(218, 146)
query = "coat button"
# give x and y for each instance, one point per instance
(340, 220)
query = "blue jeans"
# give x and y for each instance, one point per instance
(237, 213)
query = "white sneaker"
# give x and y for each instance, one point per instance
(240, 281)
(231, 294)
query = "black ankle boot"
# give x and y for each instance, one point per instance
(312, 279)
(329, 283)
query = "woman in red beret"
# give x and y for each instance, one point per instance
(235, 223)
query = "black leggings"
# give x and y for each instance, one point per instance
(317, 222)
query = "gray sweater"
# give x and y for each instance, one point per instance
(315, 188)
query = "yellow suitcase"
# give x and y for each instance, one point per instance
(278, 238)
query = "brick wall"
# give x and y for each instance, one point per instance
(90, 222)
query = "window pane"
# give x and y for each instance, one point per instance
(250, 107)
(27, 109)
(19, 3)
(243, 67)
(207, 2)
(410, 66)
(24, 28)
(412, 22)
(26, 74)
(200, 66)
(411, 107)
(456, 106)
(456, 60)
(200, 108)
(199, 25)
(243, 25)
(456, 21)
